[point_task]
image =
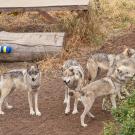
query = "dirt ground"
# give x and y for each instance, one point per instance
(53, 121)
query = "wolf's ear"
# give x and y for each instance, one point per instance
(27, 66)
(119, 71)
(62, 69)
(128, 52)
(81, 75)
(37, 66)
(131, 52)
(71, 69)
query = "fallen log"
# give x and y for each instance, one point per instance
(30, 46)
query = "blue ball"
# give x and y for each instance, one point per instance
(8, 49)
(5, 49)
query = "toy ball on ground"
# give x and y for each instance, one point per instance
(5, 49)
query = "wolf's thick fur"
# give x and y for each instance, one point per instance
(106, 86)
(73, 77)
(29, 79)
(105, 61)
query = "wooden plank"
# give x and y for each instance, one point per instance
(31, 46)
(44, 5)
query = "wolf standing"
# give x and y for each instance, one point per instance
(29, 79)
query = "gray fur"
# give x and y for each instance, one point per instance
(105, 61)
(73, 77)
(28, 79)
(110, 85)
(69, 63)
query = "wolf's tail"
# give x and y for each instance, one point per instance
(92, 69)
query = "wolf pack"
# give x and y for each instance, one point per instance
(120, 69)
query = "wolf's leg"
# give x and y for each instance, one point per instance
(87, 102)
(120, 96)
(113, 100)
(30, 103)
(1, 102)
(4, 94)
(67, 110)
(66, 96)
(90, 115)
(7, 105)
(75, 110)
(103, 104)
(38, 113)
(126, 92)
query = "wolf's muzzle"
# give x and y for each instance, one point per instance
(33, 79)
(66, 82)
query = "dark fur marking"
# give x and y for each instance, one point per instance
(71, 93)
(14, 74)
(80, 74)
(82, 93)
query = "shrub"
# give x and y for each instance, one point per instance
(124, 117)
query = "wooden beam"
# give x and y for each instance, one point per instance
(44, 5)
(58, 8)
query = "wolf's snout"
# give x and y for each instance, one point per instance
(65, 81)
(33, 79)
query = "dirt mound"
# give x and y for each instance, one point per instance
(116, 45)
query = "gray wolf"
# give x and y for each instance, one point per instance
(107, 86)
(103, 61)
(29, 79)
(67, 64)
(129, 62)
(73, 77)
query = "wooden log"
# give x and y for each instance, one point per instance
(31, 46)
(44, 5)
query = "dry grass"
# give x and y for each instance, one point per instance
(92, 28)
(3, 69)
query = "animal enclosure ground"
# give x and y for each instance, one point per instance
(53, 120)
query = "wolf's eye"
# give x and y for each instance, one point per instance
(30, 73)
(119, 71)
(35, 73)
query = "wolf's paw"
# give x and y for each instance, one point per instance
(75, 112)
(32, 112)
(67, 111)
(65, 101)
(2, 113)
(104, 108)
(9, 107)
(122, 97)
(84, 125)
(38, 113)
